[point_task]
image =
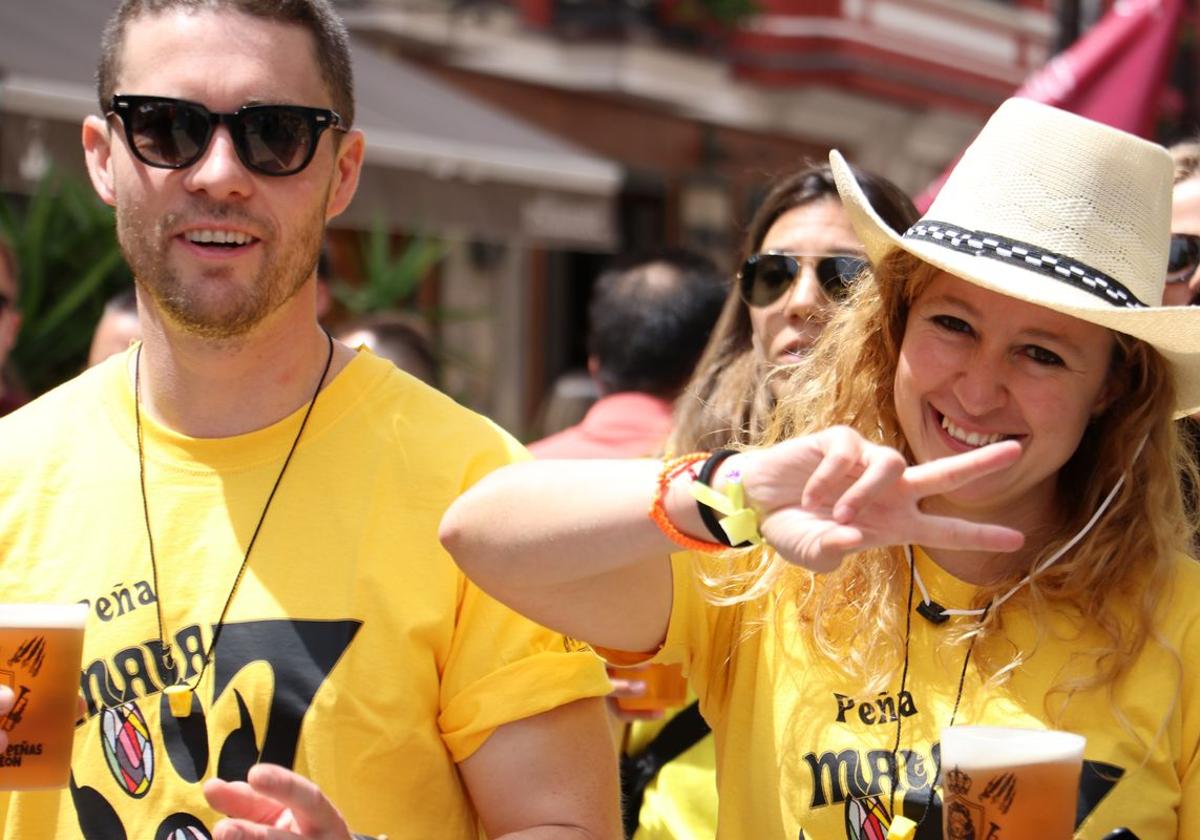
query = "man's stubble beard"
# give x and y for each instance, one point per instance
(236, 308)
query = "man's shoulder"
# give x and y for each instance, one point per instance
(392, 390)
(407, 411)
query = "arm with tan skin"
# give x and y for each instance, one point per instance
(552, 776)
(569, 543)
(577, 537)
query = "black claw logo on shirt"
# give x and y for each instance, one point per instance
(301, 656)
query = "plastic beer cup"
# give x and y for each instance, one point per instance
(41, 646)
(1019, 784)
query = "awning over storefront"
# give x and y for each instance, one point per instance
(437, 160)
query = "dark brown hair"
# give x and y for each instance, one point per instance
(649, 320)
(331, 43)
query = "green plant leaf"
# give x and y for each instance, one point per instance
(70, 265)
(390, 278)
(76, 297)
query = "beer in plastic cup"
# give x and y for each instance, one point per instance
(666, 687)
(41, 646)
(1019, 784)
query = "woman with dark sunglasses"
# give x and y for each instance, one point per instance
(797, 259)
(1183, 282)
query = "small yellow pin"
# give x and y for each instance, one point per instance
(902, 828)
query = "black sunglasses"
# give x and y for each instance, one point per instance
(765, 278)
(1183, 258)
(269, 139)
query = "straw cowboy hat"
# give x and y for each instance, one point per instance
(1060, 211)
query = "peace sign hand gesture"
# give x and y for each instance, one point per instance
(828, 494)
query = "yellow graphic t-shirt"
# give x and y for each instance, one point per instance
(354, 651)
(801, 754)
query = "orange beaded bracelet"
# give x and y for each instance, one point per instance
(671, 470)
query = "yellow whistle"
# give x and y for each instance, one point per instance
(179, 697)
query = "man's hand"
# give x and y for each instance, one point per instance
(274, 804)
(6, 703)
(829, 494)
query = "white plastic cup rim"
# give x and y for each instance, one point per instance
(44, 616)
(1000, 746)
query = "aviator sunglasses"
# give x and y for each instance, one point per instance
(765, 278)
(269, 139)
(1183, 258)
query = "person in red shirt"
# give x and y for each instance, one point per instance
(649, 319)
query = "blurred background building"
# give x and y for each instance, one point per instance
(533, 139)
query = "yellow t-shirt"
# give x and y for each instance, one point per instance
(799, 757)
(354, 650)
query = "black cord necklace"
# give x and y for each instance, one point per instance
(962, 678)
(179, 696)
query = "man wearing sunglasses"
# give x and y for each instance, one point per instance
(249, 508)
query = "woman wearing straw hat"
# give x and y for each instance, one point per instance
(970, 507)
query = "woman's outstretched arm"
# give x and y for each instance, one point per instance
(570, 543)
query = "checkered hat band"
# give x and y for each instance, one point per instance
(1029, 257)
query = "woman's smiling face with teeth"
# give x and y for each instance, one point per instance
(977, 367)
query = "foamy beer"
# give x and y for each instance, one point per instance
(41, 646)
(1019, 784)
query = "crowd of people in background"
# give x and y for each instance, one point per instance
(902, 471)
